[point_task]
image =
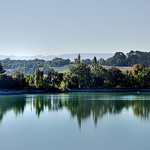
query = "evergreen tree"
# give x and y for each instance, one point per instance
(38, 78)
(94, 63)
(79, 59)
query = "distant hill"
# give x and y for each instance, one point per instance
(64, 56)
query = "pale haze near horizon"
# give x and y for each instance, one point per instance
(53, 27)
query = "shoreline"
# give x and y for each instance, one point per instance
(29, 91)
(18, 92)
(111, 90)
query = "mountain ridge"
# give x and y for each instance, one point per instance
(71, 56)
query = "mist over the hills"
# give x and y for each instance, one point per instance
(64, 56)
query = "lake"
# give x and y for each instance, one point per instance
(75, 121)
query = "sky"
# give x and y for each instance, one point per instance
(53, 27)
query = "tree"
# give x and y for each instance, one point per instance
(81, 75)
(94, 63)
(1, 69)
(141, 74)
(87, 61)
(7, 82)
(38, 78)
(19, 79)
(114, 77)
(79, 59)
(98, 75)
(101, 61)
(75, 61)
(31, 80)
(30, 66)
(119, 59)
(128, 80)
(55, 78)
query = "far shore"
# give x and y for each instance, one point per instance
(29, 91)
(24, 91)
(111, 90)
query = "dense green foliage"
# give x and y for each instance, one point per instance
(17, 80)
(30, 66)
(80, 75)
(37, 81)
(1, 69)
(121, 59)
(132, 58)
(83, 76)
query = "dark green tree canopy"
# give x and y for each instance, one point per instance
(119, 59)
(1, 69)
(79, 59)
(94, 62)
(87, 61)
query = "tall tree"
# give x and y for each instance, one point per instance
(98, 75)
(1, 69)
(19, 79)
(38, 78)
(79, 59)
(101, 61)
(80, 75)
(54, 78)
(94, 62)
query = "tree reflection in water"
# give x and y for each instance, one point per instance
(82, 109)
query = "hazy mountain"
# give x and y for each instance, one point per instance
(64, 56)
(87, 55)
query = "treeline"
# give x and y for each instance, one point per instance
(121, 59)
(30, 66)
(131, 58)
(95, 76)
(79, 76)
(37, 81)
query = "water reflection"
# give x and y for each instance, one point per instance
(81, 106)
(40, 104)
(17, 104)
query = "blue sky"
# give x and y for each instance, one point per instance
(32, 27)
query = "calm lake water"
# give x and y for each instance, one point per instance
(75, 121)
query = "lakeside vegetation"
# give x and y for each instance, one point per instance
(80, 75)
(119, 60)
